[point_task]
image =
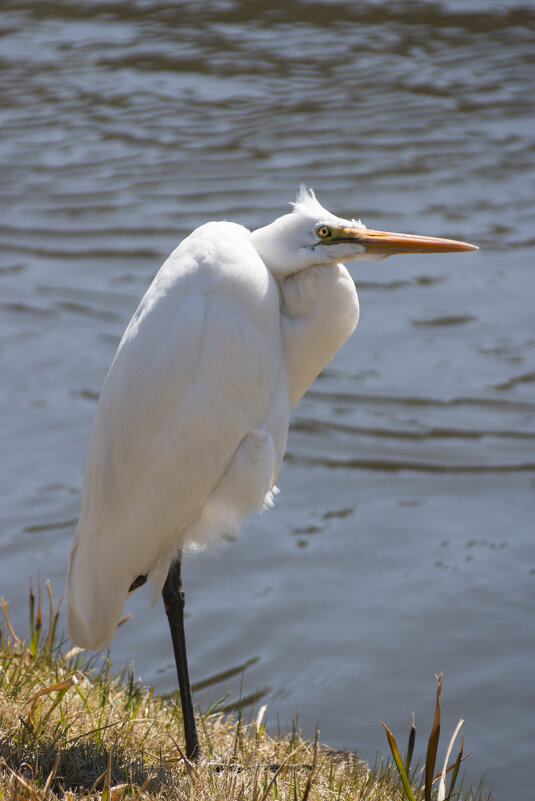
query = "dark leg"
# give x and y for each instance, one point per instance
(173, 598)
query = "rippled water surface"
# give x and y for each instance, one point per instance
(402, 541)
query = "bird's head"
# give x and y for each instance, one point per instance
(311, 235)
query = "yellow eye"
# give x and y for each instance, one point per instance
(323, 232)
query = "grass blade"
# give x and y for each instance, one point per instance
(442, 784)
(456, 767)
(399, 764)
(3, 604)
(410, 746)
(432, 745)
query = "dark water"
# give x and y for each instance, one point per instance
(402, 542)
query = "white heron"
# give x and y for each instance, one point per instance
(191, 424)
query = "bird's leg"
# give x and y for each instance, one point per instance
(173, 598)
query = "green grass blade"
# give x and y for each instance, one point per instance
(455, 772)
(399, 763)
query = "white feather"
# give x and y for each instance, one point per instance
(185, 441)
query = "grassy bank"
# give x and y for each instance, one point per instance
(70, 730)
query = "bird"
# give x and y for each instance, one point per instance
(191, 424)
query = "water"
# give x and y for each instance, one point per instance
(402, 541)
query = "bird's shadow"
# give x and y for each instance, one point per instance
(82, 766)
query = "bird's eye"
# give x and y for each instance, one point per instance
(324, 231)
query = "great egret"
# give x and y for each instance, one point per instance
(191, 424)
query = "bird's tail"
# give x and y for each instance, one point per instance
(95, 596)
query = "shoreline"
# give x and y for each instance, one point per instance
(72, 730)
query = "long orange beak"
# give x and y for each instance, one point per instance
(389, 243)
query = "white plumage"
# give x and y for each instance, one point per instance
(192, 421)
(190, 427)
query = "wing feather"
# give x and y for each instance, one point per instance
(198, 370)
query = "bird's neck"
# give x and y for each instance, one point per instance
(319, 311)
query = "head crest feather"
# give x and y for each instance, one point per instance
(306, 201)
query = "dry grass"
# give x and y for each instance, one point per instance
(71, 731)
